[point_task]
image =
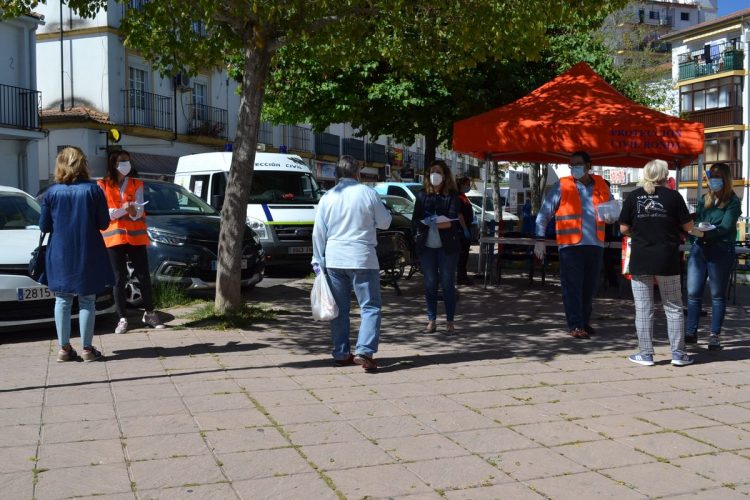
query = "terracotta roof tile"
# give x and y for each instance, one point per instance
(75, 114)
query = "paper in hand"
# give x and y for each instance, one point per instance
(442, 218)
(135, 203)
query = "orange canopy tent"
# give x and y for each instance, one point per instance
(576, 111)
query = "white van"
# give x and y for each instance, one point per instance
(283, 199)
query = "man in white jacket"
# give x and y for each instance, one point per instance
(344, 248)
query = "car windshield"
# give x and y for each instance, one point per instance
(283, 187)
(18, 211)
(415, 188)
(164, 198)
(398, 205)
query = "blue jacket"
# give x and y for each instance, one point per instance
(77, 260)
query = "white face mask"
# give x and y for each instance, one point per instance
(124, 167)
(436, 179)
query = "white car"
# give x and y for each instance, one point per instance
(23, 301)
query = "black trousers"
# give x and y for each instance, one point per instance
(119, 256)
(463, 257)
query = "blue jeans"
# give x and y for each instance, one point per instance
(579, 276)
(715, 263)
(437, 266)
(366, 285)
(86, 317)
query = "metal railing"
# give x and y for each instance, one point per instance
(20, 107)
(717, 117)
(147, 109)
(354, 147)
(711, 59)
(298, 138)
(691, 173)
(327, 144)
(265, 133)
(207, 120)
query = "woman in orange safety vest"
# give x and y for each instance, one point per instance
(126, 237)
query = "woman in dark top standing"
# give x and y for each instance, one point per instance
(74, 212)
(438, 244)
(712, 254)
(654, 216)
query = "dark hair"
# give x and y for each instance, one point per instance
(449, 184)
(111, 174)
(584, 155)
(464, 180)
(348, 167)
(723, 196)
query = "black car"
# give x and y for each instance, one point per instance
(183, 232)
(184, 241)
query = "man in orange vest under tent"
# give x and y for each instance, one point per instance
(126, 238)
(580, 237)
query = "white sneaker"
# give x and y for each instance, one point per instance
(152, 319)
(122, 326)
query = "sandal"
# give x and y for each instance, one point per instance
(579, 333)
(431, 327)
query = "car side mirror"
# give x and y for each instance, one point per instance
(217, 201)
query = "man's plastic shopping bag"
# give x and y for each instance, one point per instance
(323, 304)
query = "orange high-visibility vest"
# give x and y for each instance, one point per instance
(123, 230)
(569, 215)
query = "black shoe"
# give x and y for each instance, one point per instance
(691, 339)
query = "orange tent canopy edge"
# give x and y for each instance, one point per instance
(578, 110)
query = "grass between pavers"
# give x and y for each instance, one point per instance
(207, 317)
(168, 295)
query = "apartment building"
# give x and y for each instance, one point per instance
(710, 64)
(90, 83)
(20, 126)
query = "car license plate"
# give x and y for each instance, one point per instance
(34, 293)
(300, 250)
(214, 264)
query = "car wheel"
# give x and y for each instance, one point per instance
(133, 295)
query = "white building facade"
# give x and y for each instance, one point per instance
(20, 125)
(91, 82)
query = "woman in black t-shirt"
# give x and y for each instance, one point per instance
(654, 216)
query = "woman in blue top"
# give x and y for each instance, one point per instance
(74, 212)
(438, 244)
(712, 254)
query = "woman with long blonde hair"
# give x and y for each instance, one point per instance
(712, 254)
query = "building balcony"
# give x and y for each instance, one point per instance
(298, 138)
(327, 145)
(265, 134)
(718, 117)
(692, 173)
(20, 108)
(376, 153)
(207, 121)
(354, 147)
(710, 60)
(145, 109)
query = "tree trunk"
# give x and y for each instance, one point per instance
(538, 181)
(430, 147)
(234, 211)
(495, 177)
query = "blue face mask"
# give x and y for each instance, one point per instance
(716, 184)
(577, 171)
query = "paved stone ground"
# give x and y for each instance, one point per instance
(509, 407)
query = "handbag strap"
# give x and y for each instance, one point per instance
(41, 238)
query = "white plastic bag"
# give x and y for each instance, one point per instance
(323, 304)
(609, 211)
